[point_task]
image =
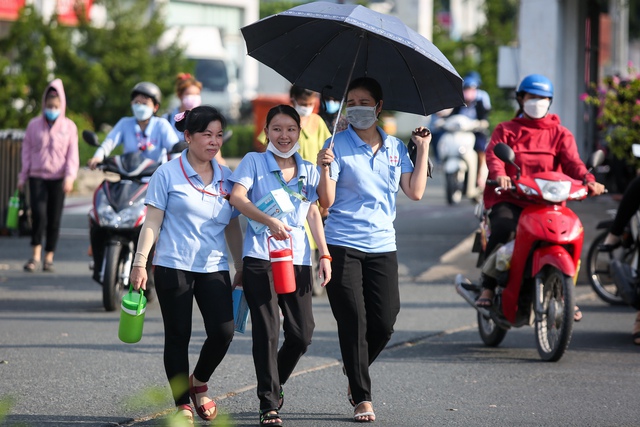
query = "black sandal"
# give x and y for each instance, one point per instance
(485, 302)
(268, 417)
(48, 267)
(31, 265)
(281, 399)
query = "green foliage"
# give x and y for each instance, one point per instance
(479, 52)
(618, 118)
(98, 66)
(273, 7)
(240, 143)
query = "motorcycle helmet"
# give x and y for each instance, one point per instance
(147, 89)
(470, 82)
(474, 75)
(536, 84)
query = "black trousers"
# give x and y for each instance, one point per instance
(628, 206)
(176, 290)
(47, 201)
(273, 366)
(365, 301)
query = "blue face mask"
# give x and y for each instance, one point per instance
(332, 106)
(50, 114)
(142, 112)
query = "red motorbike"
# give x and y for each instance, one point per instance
(538, 286)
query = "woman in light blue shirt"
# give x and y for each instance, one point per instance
(359, 180)
(280, 167)
(189, 216)
(153, 136)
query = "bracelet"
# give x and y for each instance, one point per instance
(327, 257)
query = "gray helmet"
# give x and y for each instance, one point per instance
(147, 89)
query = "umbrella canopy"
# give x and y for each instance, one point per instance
(322, 46)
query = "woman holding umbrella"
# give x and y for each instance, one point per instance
(359, 181)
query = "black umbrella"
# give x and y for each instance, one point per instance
(321, 46)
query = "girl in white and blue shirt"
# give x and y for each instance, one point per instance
(280, 167)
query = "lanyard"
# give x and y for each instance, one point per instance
(222, 192)
(286, 188)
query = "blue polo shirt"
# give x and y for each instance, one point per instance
(155, 142)
(192, 232)
(256, 173)
(364, 209)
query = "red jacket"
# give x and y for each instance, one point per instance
(540, 145)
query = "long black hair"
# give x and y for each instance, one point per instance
(198, 119)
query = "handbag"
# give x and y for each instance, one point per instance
(13, 212)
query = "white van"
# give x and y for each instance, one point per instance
(213, 66)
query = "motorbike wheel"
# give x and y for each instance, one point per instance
(453, 188)
(112, 286)
(554, 324)
(599, 272)
(491, 334)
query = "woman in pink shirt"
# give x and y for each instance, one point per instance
(50, 164)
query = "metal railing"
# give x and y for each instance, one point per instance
(10, 163)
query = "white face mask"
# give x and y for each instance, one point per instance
(275, 151)
(142, 112)
(362, 117)
(536, 108)
(303, 111)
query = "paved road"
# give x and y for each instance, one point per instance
(62, 363)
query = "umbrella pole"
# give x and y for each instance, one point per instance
(344, 95)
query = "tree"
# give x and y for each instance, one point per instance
(98, 65)
(479, 52)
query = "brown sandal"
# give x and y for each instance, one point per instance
(202, 409)
(185, 413)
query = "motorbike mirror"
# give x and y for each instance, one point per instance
(595, 160)
(179, 147)
(227, 135)
(504, 153)
(90, 138)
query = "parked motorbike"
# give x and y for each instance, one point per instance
(459, 159)
(538, 286)
(625, 259)
(115, 221)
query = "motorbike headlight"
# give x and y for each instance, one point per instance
(527, 190)
(106, 214)
(554, 191)
(580, 194)
(129, 216)
(126, 218)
